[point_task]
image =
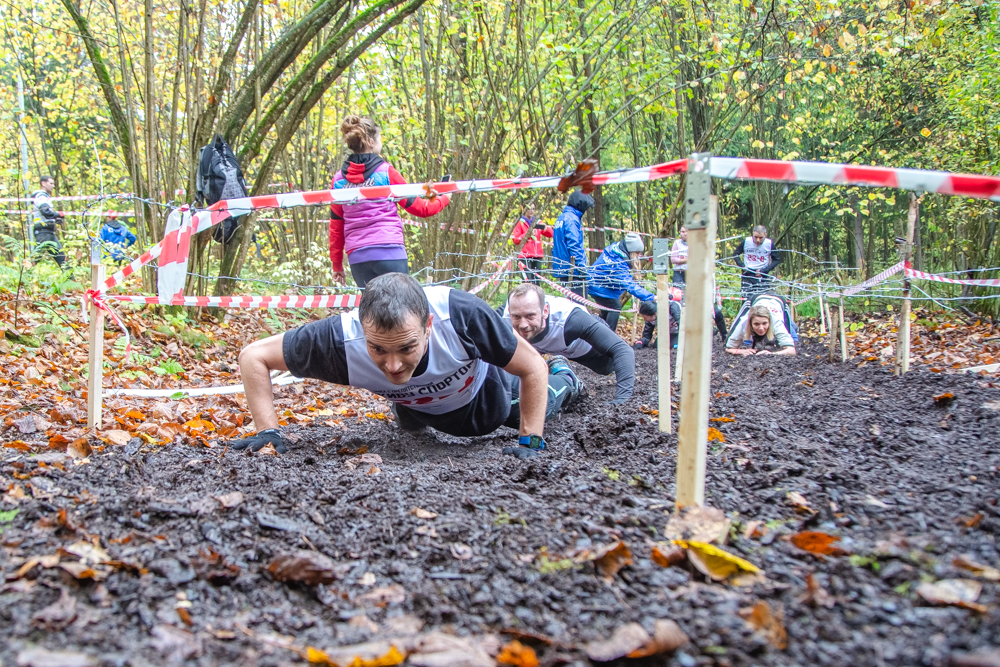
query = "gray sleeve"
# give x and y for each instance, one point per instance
(736, 335)
(581, 324)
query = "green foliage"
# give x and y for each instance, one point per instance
(168, 367)
(6, 517)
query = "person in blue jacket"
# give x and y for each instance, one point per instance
(569, 258)
(611, 276)
(116, 237)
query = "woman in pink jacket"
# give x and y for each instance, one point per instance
(371, 232)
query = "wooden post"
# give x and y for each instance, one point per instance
(843, 332)
(832, 340)
(680, 340)
(700, 219)
(95, 386)
(903, 330)
(636, 335)
(663, 351)
(822, 314)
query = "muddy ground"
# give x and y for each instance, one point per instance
(906, 482)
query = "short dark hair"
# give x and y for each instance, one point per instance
(528, 288)
(44, 178)
(390, 299)
(647, 308)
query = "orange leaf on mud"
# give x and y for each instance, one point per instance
(19, 445)
(715, 434)
(135, 414)
(942, 400)
(58, 441)
(200, 424)
(612, 558)
(80, 448)
(723, 419)
(375, 415)
(668, 555)
(768, 623)
(517, 654)
(816, 542)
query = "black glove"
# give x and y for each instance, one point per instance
(540, 225)
(528, 447)
(261, 439)
(638, 345)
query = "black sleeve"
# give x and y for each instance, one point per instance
(484, 334)
(581, 324)
(647, 333)
(775, 260)
(316, 350)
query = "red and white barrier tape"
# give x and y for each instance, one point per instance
(573, 295)
(72, 213)
(494, 279)
(280, 301)
(981, 282)
(920, 180)
(96, 298)
(871, 282)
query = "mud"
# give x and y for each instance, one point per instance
(907, 482)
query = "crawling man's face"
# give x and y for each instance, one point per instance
(397, 352)
(527, 315)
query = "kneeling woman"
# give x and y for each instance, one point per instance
(759, 334)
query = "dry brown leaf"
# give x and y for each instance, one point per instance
(87, 552)
(667, 638)
(308, 567)
(423, 514)
(461, 551)
(610, 559)
(231, 499)
(768, 623)
(816, 595)
(799, 502)
(437, 649)
(517, 654)
(267, 450)
(944, 400)
(116, 436)
(958, 592)
(980, 570)
(666, 555)
(365, 460)
(623, 641)
(754, 529)
(394, 594)
(79, 448)
(81, 570)
(701, 524)
(57, 615)
(817, 543)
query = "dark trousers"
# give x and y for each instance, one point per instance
(751, 285)
(680, 276)
(496, 404)
(573, 284)
(720, 323)
(46, 245)
(610, 317)
(534, 268)
(365, 272)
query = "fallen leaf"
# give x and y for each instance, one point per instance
(19, 445)
(754, 529)
(57, 615)
(231, 499)
(363, 449)
(816, 595)
(374, 470)
(666, 555)
(971, 521)
(667, 638)
(713, 562)
(623, 641)
(799, 502)
(367, 579)
(438, 649)
(423, 514)
(461, 551)
(944, 400)
(723, 419)
(768, 623)
(394, 594)
(308, 567)
(81, 570)
(517, 654)
(978, 569)
(817, 543)
(267, 450)
(368, 459)
(42, 657)
(701, 524)
(116, 436)
(79, 448)
(958, 592)
(610, 559)
(26, 424)
(715, 434)
(429, 531)
(200, 424)
(88, 552)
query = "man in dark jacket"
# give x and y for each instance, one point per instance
(569, 257)
(611, 276)
(44, 220)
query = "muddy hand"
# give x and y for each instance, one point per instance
(259, 440)
(582, 176)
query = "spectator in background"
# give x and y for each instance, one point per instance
(116, 237)
(370, 231)
(44, 219)
(569, 257)
(611, 276)
(532, 252)
(758, 257)
(679, 257)
(647, 311)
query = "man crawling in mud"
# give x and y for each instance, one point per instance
(442, 357)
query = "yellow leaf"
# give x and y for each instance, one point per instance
(925, 132)
(317, 657)
(827, 51)
(715, 434)
(714, 562)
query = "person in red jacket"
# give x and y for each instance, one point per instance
(532, 253)
(370, 231)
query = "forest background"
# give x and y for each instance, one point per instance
(119, 95)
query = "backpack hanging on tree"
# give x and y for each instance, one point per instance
(220, 177)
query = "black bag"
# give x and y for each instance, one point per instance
(220, 177)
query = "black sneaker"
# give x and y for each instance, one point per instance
(559, 365)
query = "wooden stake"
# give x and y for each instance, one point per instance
(832, 340)
(96, 341)
(843, 333)
(663, 350)
(822, 315)
(636, 334)
(696, 373)
(903, 330)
